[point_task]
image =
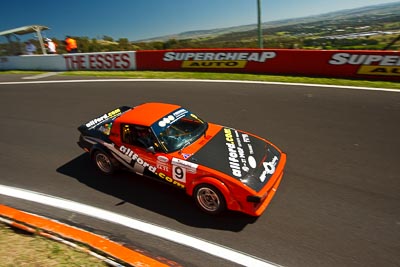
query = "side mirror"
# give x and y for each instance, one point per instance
(151, 149)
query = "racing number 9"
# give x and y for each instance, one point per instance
(179, 173)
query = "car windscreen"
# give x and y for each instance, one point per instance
(178, 130)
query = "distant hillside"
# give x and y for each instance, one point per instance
(200, 33)
(376, 12)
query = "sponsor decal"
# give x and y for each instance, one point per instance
(246, 138)
(162, 163)
(388, 65)
(180, 113)
(217, 59)
(238, 160)
(96, 121)
(191, 167)
(139, 166)
(104, 117)
(186, 156)
(269, 168)
(162, 166)
(179, 173)
(170, 180)
(233, 160)
(250, 147)
(252, 162)
(162, 159)
(166, 121)
(137, 163)
(172, 117)
(181, 167)
(232, 152)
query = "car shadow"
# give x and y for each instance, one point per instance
(152, 195)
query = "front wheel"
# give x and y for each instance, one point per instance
(103, 162)
(209, 199)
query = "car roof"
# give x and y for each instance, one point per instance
(148, 113)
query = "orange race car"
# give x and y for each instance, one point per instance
(222, 168)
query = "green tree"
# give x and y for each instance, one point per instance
(108, 38)
(124, 44)
(83, 44)
(94, 46)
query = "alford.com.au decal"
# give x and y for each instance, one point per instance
(106, 116)
(235, 155)
(139, 166)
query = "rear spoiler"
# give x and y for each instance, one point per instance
(108, 116)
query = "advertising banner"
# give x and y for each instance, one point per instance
(100, 61)
(357, 64)
(77, 61)
(318, 63)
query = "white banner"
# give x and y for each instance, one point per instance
(124, 60)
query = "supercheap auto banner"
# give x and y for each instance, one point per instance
(323, 63)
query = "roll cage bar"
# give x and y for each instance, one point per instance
(22, 31)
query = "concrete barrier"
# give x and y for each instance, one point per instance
(66, 62)
(353, 64)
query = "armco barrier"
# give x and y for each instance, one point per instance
(326, 63)
(358, 64)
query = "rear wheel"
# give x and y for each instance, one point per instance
(209, 199)
(103, 162)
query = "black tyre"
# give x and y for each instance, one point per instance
(103, 162)
(209, 199)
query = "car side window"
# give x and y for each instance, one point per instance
(137, 135)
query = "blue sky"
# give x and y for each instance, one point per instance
(141, 19)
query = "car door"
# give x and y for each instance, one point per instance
(145, 157)
(138, 146)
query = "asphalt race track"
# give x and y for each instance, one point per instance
(338, 203)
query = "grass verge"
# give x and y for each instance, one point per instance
(224, 76)
(18, 248)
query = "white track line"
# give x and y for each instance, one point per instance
(40, 76)
(149, 228)
(207, 81)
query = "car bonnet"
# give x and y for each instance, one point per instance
(240, 155)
